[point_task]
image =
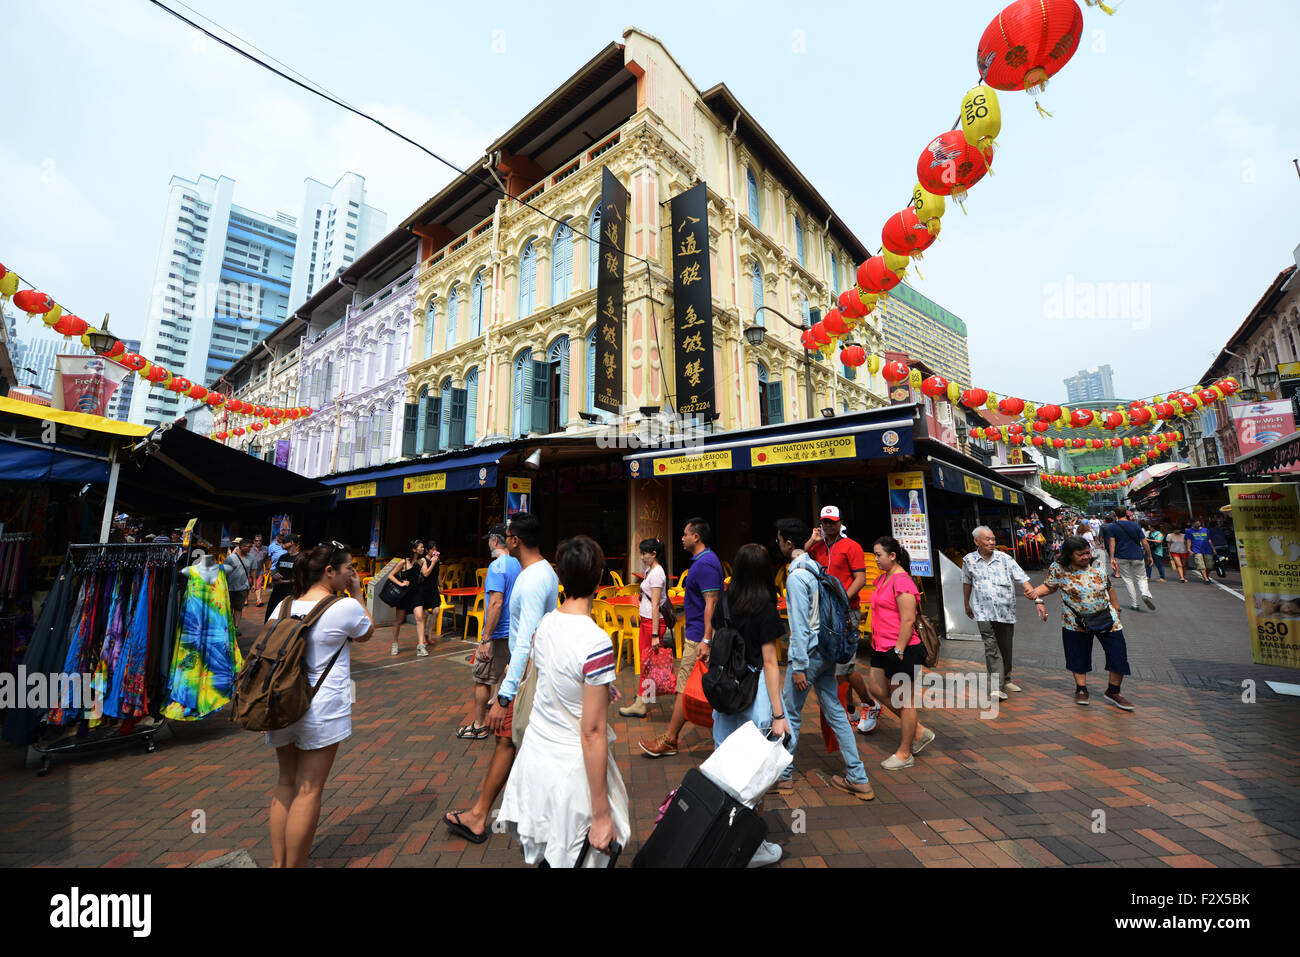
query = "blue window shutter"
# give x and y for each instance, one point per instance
(798, 241)
(471, 405)
(444, 424)
(522, 393)
(527, 280)
(754, 214)
(775, 406)
(594, 233)
(456, 435)
(476, 306)
(757, 277)
(430, 320)
(762, 394)
(560, 353)
(562, 265)
(453, 316)
(421, 415)
(541, 374)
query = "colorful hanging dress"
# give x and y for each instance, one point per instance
(206, 658)
(126, 692)
(79, 648)
(114, 639)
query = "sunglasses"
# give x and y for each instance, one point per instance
(337, 546)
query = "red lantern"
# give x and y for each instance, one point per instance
(1187, 403)
(1080, 418)
(1016, 439)
(1112, 420)
(33, 303)
(875, 276)
(1049, 413)
(1094, 443)
(1015, 428)
(1208, 396)
(69, 325)
(905, 235)
(1027, 42)
(851, 304)
(1162, 447)
(935, 386)
(1041, 426)
(1164, 410)
(853, 356)
(1011, 405)
(1227, 386)
(1058, 443)
(1153, 455)
(806, 340)
(991, 432)
(179, 385)
(156, 374)
(834, 323)
(1037, 440)
(1140, 415)
(307, 410)
(973, 398)
(949, 166)
(256, 426)
(133, 361)
(820, 335)
(1078, 443)
(117, 350)
(275, 421)
(197, 392)
(895, 371)
(237, 430)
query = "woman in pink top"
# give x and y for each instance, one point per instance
(896, 649)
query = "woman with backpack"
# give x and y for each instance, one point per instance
(305, 750)
(896, 649)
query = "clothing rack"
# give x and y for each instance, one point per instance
(84, 559)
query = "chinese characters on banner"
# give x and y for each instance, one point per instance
(609, 293)
(1266, 520)
(911, 518)
(692, 303)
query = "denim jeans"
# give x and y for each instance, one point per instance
(821, 678)
(1158, 563)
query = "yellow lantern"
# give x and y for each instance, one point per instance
(869, 299)
(981, 118)
(873, 364)
(1030, 412)
(929, 207)
(896, 262)
(914, 378)
(954, 392)
(51, 317)
(8, 285)
(992, 402)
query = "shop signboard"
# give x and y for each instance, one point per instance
(282, 453)
(796, 453)
(433, 482)
(1262, 423)
(361, 490)
(609, 293)
(692, 303)
(689, 464)
(1266, 519)
(519, 494)
(910, 517)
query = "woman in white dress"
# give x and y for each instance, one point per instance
(565, 785)
(305, 750)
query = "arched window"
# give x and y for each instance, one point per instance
(798, 241)
(361, 445)
(419, 427)
(594, 233)
(430, 320)
(471, 405)
(444, 427)
(756, 277)
(562, 265)
(754, 214)
(560, 353)
(380, 431)
(527, 280)
(521, 394)
(476, 306)
(453, 315)
(770, 405)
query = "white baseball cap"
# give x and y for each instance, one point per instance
(831, 512)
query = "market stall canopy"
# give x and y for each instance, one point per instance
(91, 423)
(40, 444)
(1153, 472)
(1048, 500)
(449, 472)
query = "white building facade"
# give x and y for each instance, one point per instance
(336, 226)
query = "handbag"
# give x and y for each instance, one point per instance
(1092, 622)
(523, 703)
(924, 629)
(747, 763)
(392, 593)
(666, 613)
(698, 709)
(659, 675)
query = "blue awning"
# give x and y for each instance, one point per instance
(454, 472)
(22, 462)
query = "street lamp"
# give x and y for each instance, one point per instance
(1267, 378)
(101, 340)
(756, 334)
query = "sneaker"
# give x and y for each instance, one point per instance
(1119, 701)
(1146, 600)
(421, 651)
(869, 718)
(1080, 695)
(893, 763)
(393, 651)
(767, 853)
(636, 709)
(661, 747)
(1001, 695)
(1134, 608)
(1012, 686)
(852, 715)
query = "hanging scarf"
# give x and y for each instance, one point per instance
(205, 659)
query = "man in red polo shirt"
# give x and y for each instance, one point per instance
(842, 557)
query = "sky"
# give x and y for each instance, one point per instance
(1137, 226)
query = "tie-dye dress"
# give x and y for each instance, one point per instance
(206, 658)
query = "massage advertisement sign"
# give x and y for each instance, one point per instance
(909, 516)
(1266, 518)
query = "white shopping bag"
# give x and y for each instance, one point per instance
(747, 764)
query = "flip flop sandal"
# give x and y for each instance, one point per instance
(472, 732)
(452, 820)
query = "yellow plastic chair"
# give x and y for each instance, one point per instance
(676, 591)
(629, 623)
(606, 593)
(603, 614)
(451, 577)
(480, 576)
(477, 613)
(616, 578)
(726, 570)
(444, 606)
(632, 590)
(779, 580)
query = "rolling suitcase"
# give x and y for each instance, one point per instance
(703, 826)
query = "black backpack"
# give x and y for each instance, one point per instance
(730, 684)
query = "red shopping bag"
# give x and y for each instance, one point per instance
(659, 669)
(827, 734)
(698, 709)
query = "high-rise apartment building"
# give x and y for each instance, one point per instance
(221, 284)
(925, 330)
(1090, 385)
(35, 357)
(119, 406)
(334, 228)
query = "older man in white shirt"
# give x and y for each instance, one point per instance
(988, 580)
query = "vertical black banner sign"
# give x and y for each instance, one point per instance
(692, 303)
(609, 293)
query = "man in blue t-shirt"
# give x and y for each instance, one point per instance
(493, 654)
(703, 586)
(1202, 549)
(1129, 556)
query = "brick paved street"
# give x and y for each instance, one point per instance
(1194, 778)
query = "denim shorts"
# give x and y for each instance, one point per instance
(1078, 650)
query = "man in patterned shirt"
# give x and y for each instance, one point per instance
(988, 580)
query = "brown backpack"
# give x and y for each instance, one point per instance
(271, 689)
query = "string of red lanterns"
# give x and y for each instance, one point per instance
(40, 305)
